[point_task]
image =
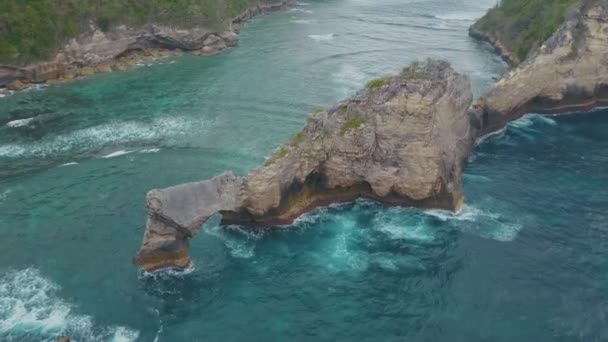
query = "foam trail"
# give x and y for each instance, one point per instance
(106, 135)
(149, 150)
(30, 310)
(116, 154)
(19, 123)
(68, 164)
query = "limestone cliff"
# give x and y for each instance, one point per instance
(402, 141)
(569, 72)
(96, 50)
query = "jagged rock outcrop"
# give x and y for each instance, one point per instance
(402, 141)
(122, 46)
(569, 72)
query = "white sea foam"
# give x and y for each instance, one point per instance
(393, 224)
(322, 37)
(486, 223)
(168, 272)
(19, 123)
(116, 154)
(97, 137)
(68, 164)
(240, 242)
(149, 150)
(4, 194)
(29, 306)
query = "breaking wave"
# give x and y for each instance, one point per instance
(30, 310)
(98, 137)
(484, 223)
(19, 123)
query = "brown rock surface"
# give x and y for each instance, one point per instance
(402, 141)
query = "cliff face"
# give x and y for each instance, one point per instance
(96, 50)
(569, 72)
(401, 141)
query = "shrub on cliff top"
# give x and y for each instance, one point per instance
(377, 83)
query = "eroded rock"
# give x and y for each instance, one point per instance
(401, 141)
(569, 72)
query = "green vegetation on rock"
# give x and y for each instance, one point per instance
(352, 124)
(33, 30)
(377, 83)
(523, 25)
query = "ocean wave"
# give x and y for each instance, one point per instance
(168, 272)
(30, 310)
(112, 134)
(116, 154)
(68, 164)
(529, 120)
(484, 223)
(322, 37)
(4, 194)
(19, 123)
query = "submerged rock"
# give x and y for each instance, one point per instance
(569, 72)
(401, 141)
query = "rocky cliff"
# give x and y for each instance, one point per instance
(569, 72)
(96, 50)
(401, 141)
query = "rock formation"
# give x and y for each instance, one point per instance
(96, 51)
(402, 141)
(569, 72)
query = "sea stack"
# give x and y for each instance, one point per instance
(568, 73)
(403, 140)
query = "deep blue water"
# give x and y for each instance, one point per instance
(525, 260)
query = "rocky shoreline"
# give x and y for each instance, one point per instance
(568, 73)
(403, 140)
(122, 47)
(505, 53)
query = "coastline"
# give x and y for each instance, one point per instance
(505, 53)
(147, 47)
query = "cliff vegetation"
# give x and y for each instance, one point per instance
(33, 30)
(523, 25)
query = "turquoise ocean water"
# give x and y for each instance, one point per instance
(526, 259)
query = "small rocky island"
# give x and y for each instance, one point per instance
(403, 140)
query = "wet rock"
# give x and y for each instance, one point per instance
(401, 141)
